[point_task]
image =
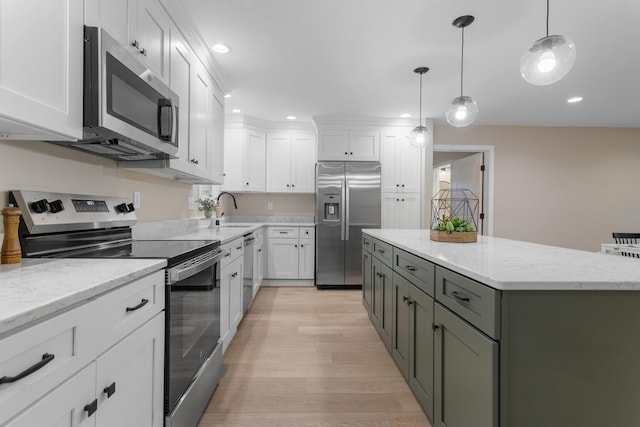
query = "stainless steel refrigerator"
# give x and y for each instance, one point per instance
(347, 200)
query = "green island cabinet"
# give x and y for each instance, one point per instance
(475, 356)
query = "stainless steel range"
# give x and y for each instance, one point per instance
(61, 225)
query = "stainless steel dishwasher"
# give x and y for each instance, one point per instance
(247, 283)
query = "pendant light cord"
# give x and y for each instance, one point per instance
(420, 116)
(547, 18)
(462, 62)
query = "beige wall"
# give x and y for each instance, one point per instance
(42, 166)
(569, 187)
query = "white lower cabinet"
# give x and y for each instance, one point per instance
(400, 210)
(231, 281)
(291, 253)
(259, 257)
(79, 379)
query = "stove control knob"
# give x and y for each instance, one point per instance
(122, 208)
(130, 207)
(40, 206)
(56, 206)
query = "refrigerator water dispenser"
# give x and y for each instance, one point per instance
(332, 207)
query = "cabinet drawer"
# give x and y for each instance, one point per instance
(383, 251)
(418, 271)
(128, 307)
(367, 243)
(67, 341)
(476, 303)
(307, 232)
(284, 232)
(231, 250)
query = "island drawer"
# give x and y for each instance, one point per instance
(383, 251)
(307, 232)
(367, 243)
(478, 304)
(418, 271)
(37, 359)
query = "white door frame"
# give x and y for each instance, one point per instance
(489, 161)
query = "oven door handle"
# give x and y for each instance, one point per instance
(183, 273)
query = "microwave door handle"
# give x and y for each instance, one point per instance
(162, 104)
(175, 125)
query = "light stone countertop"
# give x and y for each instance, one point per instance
(36, 288)
(514, 265)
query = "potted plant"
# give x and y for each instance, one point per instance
(453, 229)
(454, 214)
(208, 205)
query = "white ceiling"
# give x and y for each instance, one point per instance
(355, 58)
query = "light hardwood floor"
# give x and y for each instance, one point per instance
(304, 357)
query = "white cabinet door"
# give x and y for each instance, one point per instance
(258, 265)
(303, 162)
(333, 145)
(119, 18)
(409, 207)
(255, 161)
(282, 259)
(154, 29)
(364, 145)
(388, 147)
(63, 406)
(278, 163)
(130, 377)
(215, 137)
(409, 166)
(390, 215)
(41, 51)
(233, 159)
(180, 82)
(306, 259)
(235, 292)
(225, 304)
(200, 93)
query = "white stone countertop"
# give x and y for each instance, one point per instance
(36, 288)
(232, 230)
(514, 265)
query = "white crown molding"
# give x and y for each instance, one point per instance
(181, 20)
(362, 122)
(240, 120)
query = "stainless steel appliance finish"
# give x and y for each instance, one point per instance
(128, 113)
(347, 200)
(86, 226)
(247, 281)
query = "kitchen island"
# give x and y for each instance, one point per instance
(507, 333)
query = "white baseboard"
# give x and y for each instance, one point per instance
(290, 282)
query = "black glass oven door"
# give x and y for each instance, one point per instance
(192, 330)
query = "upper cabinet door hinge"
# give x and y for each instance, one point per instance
(482, 168)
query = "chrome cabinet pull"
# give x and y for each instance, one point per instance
(139, 306)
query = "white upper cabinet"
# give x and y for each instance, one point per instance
(215, 136)
(200, 94)
(41, 69)
(139, 24)
(349, 145)
(401, 163)
(290, 163)
(244, 159)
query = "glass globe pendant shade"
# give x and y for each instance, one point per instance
(547, 60)
(419, 137)
(462, 112)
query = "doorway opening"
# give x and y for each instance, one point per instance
(469, 167)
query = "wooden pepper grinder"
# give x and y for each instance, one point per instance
(10, 253)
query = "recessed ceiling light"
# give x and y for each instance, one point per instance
(574, 99)
(221, 48)
(291, 117)
(227, 95)
(236, 110)
(405, 115)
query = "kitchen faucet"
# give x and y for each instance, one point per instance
(235, 204)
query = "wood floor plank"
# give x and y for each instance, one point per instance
(303, 357)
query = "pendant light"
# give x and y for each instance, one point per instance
(548, 59)
(419, 136)
(463, 109)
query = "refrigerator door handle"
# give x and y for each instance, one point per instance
(346, 208)
(343, 197)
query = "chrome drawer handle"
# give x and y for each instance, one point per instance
(458, 297)
(139, 306)
(410, 267)
(46, 358)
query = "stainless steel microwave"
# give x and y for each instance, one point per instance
(128, 112)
